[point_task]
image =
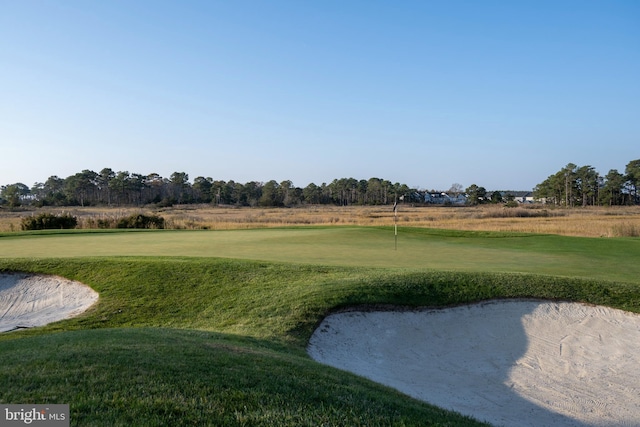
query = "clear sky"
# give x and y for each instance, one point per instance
(501, 94)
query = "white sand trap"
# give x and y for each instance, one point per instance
(511, 363)
(28, 300)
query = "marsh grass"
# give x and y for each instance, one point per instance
(621, 221)
(625, 229)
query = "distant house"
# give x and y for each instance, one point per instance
(433, 198)
(442, 198)
(518, 196)
(459, 199)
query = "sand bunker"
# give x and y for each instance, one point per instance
(524, 363)
(28, 300)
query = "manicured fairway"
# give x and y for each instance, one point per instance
(599, 258)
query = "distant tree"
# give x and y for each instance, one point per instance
(339, 191)
(362, 189)
(312, 194)
(287, 194)
(120, 186)
(14, 193)
(325, 192)
(343, 190)
(250, 193)
(376, 191)
(587, 183)
(179, 182)
(456, 189)
(569, 174)
(220, 193)
(103, 181)
(38, 193)
(296, 196)
(81, 188)
(235, 193)
(52, 192)
(551, 190)
(137, 186)
(156, 188)
(496, 197)
(612, 191)
(632, 172)
(270, 196)
(475, 194)
(559, 188)
(202, 189)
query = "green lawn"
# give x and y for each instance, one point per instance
(600, 258)
(210, 328)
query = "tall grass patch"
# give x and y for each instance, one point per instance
(579, 221)
(625, 229)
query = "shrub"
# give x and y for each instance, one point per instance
(141, 221)
(47, 221)
(105, 223)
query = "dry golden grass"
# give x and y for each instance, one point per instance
(590, 221)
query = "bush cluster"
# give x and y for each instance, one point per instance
(141, 221)
(47, 221)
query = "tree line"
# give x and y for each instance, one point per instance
(583, 186)
(571, 186)
(110, 188)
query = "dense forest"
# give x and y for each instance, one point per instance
(571, 186)
(89, 188)
(583, 186)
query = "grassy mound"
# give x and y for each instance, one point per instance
(143, 376)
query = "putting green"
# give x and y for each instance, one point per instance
(609, 259)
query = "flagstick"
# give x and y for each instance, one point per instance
(395, 224)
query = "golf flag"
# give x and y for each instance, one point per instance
(395, 206)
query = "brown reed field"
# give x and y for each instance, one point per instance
(619, 221)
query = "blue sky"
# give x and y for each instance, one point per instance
(501, 94)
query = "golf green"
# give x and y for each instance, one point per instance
(419, 249)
